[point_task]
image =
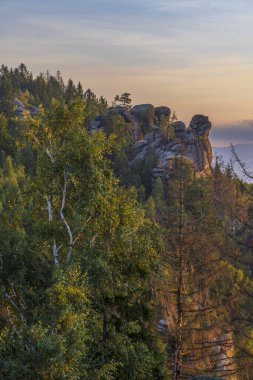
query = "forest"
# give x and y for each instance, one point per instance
(108, 272)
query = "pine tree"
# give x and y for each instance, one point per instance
(196, 311)
(80, 92)
(6, 96)
(70, 91)
(123, 100)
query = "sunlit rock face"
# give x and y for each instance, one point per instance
(152, 131)
(190, 143)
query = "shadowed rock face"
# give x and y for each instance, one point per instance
(149, 125)
(20, 108)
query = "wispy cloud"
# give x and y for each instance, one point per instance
(237, 133)
(196, 54)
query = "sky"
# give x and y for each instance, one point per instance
(195, 56)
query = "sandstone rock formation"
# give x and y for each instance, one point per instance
(152, 131)
(20, 108)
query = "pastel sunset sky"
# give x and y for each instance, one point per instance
(195, 56)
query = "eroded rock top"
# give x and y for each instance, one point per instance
(152, 130)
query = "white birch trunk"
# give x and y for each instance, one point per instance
(71, 241)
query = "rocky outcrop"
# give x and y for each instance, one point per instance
(20, 108)
(152, 131)
(141, 118)
(190, 143)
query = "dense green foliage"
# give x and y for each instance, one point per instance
(40, 90)
(94, 254)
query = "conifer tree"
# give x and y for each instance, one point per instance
(123, 100)
(70, 91)
(197, 314)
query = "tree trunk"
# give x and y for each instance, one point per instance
(179, 302)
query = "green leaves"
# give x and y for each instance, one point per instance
(78, 266)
